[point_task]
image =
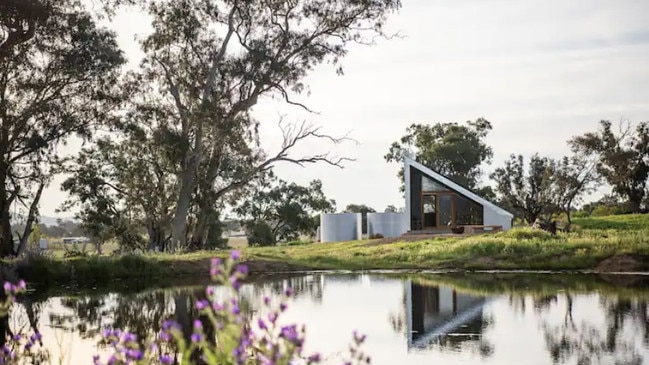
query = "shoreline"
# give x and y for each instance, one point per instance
(96, 271)
(598, 245)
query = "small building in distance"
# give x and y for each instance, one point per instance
(436, 203)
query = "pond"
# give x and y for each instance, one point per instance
(487, 318)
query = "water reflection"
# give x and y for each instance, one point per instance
(484, 319)
(441, 318)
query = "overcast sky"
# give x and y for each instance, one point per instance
(539, 71)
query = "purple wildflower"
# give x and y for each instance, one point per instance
(135, 354)
(166, 359)
(198, 324)
(234, 281)
(202, 304)
(282, 307)
(290, 333)
(168, 324)
(314, 358)
(242, 269)
(17, 337)
(165, 336)
(8, 286)
(261, 324)
(209, 291)
(266, 300)
(235, 310)
(288, 292)
(235, 255)
(359, 338)
(272, 317)
(129, 337)
(196, 337)
(214, 271)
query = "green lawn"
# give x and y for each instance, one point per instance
(592, 241)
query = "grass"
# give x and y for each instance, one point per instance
(592, 241)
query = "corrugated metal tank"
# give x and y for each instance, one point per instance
(387, 224)
(338, 227)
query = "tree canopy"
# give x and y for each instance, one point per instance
(58, 77)
(287, 209)
(623, 158)
(526, 189)
(452, 149)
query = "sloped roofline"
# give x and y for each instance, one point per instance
(409, 161)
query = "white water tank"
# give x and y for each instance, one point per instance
(42, 243)
(387, 224)
(338, 227)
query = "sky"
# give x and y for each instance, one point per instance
(539, 71)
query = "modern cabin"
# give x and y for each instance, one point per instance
(435, 203)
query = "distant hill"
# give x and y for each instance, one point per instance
(51, 221)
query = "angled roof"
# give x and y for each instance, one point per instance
(409, 161)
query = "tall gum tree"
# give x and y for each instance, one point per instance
(58, 71)
(623, 158)
(452, 149)
(212, 60)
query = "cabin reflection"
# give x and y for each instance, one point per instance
(439, 315)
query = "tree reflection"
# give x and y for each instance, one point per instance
(580, 339)
(143, 313)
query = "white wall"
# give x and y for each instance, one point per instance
(494, 218)
(340, 227)
(387, 224)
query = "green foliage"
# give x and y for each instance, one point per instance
(626, 222)
(297, 243)
(452, 149)
(528, 191)
(526, 233)
(59, 73)
(623, 158)
(259, 233)
(286, 209)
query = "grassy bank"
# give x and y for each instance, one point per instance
(615, 243)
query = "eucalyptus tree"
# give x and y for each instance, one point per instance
(213, 60)
(527, 190)
(58, 72)
(623, 158)
(455, 150)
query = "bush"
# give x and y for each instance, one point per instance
(376, 236)
(297, 243)
(527, 233)
(224, 335)
(604, 210)
(259, 234)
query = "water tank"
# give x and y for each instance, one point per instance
(387, 224)
(338, 227)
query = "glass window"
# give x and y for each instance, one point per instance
(428, 184)
(467, 211)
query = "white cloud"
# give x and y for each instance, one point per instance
(541, 71)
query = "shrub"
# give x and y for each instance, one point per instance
(235, 340)
(527, 233)
(259, 234)
(376, 236)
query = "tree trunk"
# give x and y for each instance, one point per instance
(6, 236)
(30, 219)
(634, 203)
(155, 236)
(187, 186)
